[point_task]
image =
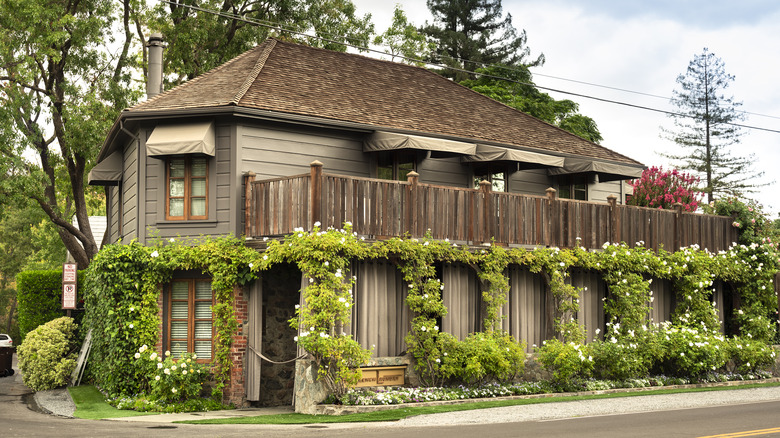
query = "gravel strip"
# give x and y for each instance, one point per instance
(586, 408)
(56, 402)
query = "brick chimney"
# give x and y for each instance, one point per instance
(154, 79)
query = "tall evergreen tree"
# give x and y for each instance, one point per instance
(704, 128)
(470, 33)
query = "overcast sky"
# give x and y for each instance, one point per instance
(642, 46)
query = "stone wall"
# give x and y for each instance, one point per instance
(281, 292)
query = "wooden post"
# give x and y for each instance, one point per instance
(614, 223)
(249, 204)
(316, 194)
(552, 195)
(410, 212)
(488, 212)
(678, 208)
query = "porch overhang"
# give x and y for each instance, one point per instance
(181, 139)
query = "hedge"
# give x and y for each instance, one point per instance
(39, 299)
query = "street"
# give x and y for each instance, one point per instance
(757, 419)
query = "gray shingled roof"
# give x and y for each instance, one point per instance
(295, 79)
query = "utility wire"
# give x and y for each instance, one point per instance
(279, 28)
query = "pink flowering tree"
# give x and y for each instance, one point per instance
(659, 188)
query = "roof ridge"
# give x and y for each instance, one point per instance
(250, 79)
(195, 80)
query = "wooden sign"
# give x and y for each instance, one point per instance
(382, 376)
(69, 296)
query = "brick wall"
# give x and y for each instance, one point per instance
(234, 392)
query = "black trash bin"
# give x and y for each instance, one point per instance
(6, 361)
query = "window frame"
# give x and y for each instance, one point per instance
(489, 174)
(191, 316)
(569, 182)
(187, 196)
(396, 159)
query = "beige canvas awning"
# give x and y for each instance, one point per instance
(606, 171)
(389, 141)
(191, 138)
(525, 159)
(107, 172)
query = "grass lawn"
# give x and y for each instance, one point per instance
(401, 413)
(91, 405)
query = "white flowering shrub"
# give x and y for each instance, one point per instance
(170, 381)
(625, 355)
(750, 355)
(689, 352)
(47, 356)
(566, 361)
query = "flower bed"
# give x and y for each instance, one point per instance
(401, 395)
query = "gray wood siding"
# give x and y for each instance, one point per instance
(598, 192)
(112, 210)
(445, 172)
(272, 153)
(129, 198)
(529, 182)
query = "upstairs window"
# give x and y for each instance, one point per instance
(573, 187)
(189, 320)
(187, 188)
(396, 165)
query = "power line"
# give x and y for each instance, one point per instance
(278, 27)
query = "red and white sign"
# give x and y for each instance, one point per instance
(69, 273)
(69, 296)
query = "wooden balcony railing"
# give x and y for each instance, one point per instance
(382, 209)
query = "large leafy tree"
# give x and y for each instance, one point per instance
(63, 80)
(67, 68)
(514, 87)
(214, 31)
(473, 33)
(403, 39)
(705, 127)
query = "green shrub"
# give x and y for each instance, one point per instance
(47, 356)
(750, 355)
(689, 352)
(39, 298)
(566, 361)
(484, 356)
(630, 356)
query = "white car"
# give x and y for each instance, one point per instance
(5, 341)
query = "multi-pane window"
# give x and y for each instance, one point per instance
(573, 187)
(496, 179)
(395, 165)
(187, 183)
(190, 318)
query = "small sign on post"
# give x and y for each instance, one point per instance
(69, 286)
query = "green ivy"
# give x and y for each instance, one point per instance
(124, 283)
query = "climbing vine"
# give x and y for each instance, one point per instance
(124, 284)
